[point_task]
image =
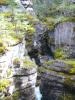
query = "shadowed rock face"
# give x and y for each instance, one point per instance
(40, 48)
(57, 82)
(39, 43)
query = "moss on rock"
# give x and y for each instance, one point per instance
(59, 54)
(2, 47)
(28, 64)
(16, 61)
(69, 62)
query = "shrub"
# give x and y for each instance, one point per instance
(4, 83)
(2, 50)
(16, 61)
(59, 54)
(27, 63)
(1, 43)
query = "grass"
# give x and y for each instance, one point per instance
(59, 54)
(49, 62)
(70, 62)
(28, 64)
(4, 83)
(25, 62)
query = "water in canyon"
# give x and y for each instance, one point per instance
(55, 94)
(38, 94)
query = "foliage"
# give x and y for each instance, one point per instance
(66, 19)
(16, 95)
(1, 43)
(16, 61)
(2, 50)
(72, 71)
(70, 62)
(24, 63)
(6, 14)
(50, 22)
(4, 83)
(7, 98)
(29, 43)
(27, 63)
(14, 28)
(2, 47)
(49, 62)
(8, 2)
(49, 7)
(59, 54)
(9, 72)
(68, 81)
(59, 10)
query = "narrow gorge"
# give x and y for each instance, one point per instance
(37, 50)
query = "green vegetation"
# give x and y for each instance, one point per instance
(27, 63)
(72, 71)
(16, 95)
(7, 98)
(68, 81)
(9, 72)
(24, 63)
(2, 47)
(54, 11)
(4, 83)
(69, 62)
(59, 54)
(49, 62)
(16, 29)
(14, 26)
(16, 61)
(67, 19)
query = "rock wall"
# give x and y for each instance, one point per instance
(64, 33)
(57, 81)
(24, 81)
(6, 60)
(65, 37)
(28, 5)
(37, 43)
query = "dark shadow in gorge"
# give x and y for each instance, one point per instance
(54, 93)
(43, 48)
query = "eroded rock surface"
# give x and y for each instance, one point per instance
(57, 81)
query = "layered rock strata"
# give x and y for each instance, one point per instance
(24, 81)
(57, 81)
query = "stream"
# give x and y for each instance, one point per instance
(38, 94)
